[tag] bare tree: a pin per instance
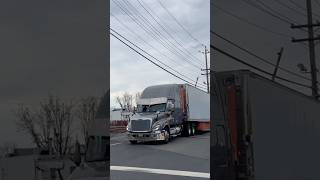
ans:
(125, 101)
(27, 123)
(137, 96)
(50, 126)
(86, 112)
(6, 148)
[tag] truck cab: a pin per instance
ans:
(151, 120)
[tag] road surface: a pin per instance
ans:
(182, 158)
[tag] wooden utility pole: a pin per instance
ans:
(311, 40)
(277, 65)
(206, 69)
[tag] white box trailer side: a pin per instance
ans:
(285, 131)
(268, 131)
(198, 103)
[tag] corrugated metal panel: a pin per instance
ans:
(285, 128)
(198, 104)
(286, 132)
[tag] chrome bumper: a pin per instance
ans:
(146, 136)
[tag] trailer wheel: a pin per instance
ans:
(133, 141)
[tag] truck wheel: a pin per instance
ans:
(189, 130)
(133, 141)
(167, 135)
(193, 129)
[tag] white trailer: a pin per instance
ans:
(263, 130)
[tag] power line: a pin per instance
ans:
(270, 13)
(153, 34)
(176, 20)
(156, 49)
(150, 55)
(254, 67)
(251, 23)
(301, 7)
(266, 11)
(298, 5)
(164, 28)
(290, 8)
(148, 58)
(155, 29)
(274, 11)
(165, 24)
(258, 57)
(146, 20)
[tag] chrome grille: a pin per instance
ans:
(140, 125)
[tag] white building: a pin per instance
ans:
(119, 115)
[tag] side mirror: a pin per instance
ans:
(170, 106)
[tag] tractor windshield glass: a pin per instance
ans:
(152, 108)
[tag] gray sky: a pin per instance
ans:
(260, 42)
(131, 73)
(56, 47)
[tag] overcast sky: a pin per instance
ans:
(56, 47)
(130, 72)
(264, 44)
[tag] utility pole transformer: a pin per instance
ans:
(311, 40)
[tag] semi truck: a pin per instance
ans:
(169, 110)
(262, 130)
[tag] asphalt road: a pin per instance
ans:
(182, 158)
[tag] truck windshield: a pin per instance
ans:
(152, 108)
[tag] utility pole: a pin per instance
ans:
(277, 66)
(311, 40)
(206, 69)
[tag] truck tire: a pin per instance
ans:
(189, 129)
(167, 139)
(186, 130)
(193, 129)
(133, 141)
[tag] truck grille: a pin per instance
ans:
(140, 125)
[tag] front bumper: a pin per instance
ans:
(146, 136)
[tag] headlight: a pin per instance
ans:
(128, 127)
(156, 127)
